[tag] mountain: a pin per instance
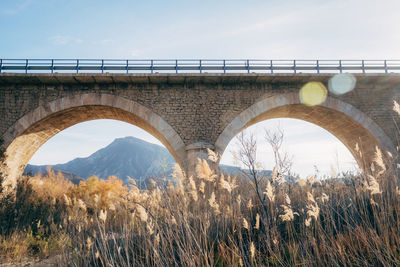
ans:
(124, 157)
(31, 170)
(233, 170)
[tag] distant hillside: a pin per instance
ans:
(237, 170)
(124, 157)
(31, 170)
(128, 156)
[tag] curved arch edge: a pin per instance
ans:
(160, 128)
(248, 117)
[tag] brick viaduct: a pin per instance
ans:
(189, 112)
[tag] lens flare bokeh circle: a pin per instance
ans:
(313, 93)
(342, 83)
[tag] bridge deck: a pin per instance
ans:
(188, 78)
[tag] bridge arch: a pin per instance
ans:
(31, 131)
(347, 123)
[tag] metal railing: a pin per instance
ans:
(196, 66)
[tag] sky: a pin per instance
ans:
(278, 29)
(271, 29)
(307, 145)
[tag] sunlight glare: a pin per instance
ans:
(342, 83)
(313, 93)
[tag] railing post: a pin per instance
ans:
(52, 66)
(151, 66)
(386, 68)
(176, 66)
(102, 66)
(127, 66)
(248, 66)
(363, 66)
(201, 70)
(26, 66)
(294, 66)
(318, 66)
(1, 64)
(272, 67)
(224, 66)
(77, 66)
(340, 66)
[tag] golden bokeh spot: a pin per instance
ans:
(313, 93)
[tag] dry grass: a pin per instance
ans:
(209, 219)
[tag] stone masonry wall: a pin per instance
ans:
(198, 107)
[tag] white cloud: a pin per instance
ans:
(19, 5)
(104, 42)
(64, 40)
(136, 53)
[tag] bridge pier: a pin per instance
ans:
(195, 152)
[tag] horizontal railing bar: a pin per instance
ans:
(154, 60)
(189, 68)
(199, 65)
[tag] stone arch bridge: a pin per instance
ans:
(189, 112)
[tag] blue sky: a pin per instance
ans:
(200, 29)
(350, 29)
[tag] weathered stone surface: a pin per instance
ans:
(186, 109)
